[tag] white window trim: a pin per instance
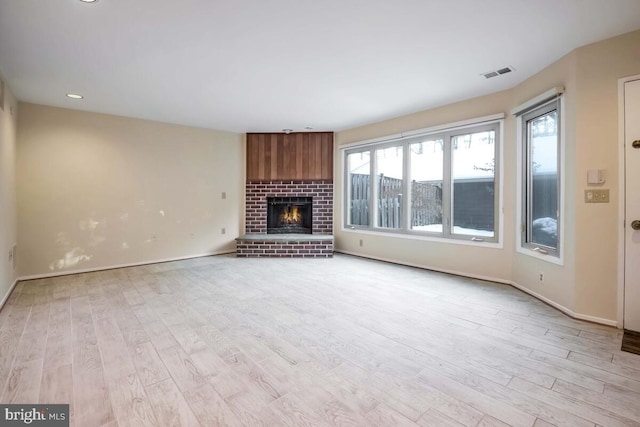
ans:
(461, 124)
(554, 259)
(539, 100)
(454, 126)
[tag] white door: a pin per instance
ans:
(632, 208)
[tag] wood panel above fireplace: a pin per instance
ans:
(294, 168)
(295, 156)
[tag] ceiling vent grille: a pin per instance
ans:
(490, 74)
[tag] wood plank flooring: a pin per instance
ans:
(316, 342)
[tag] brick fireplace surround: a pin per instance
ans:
(257, 243)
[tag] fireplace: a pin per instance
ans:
(310, 236)
(289, 215)
(288, 196)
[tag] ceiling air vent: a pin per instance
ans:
(495, 73)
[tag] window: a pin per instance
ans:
(359, 171)
(541, 178)
(389, 185)
(441, 184)
(473, 186)
(426, 176)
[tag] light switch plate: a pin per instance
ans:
(596, 196)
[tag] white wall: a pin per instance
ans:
(598, 68)
(8, 204)
(586, 285)
(97, 191)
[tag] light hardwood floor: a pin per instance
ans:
(342, 341)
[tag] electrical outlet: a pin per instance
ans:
(223, 231)
(361, 242)
(224, 195)
(541, 277)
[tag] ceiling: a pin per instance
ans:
(265, 65)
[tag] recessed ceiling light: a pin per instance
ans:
(287, 131)
(74, 95)
(88, 1)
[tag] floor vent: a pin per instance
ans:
(631, 342)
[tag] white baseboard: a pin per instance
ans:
(112, 267)
(553, 304)
(8, 294)
(565, 310)
(427, 267)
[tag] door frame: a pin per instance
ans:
(622, 190)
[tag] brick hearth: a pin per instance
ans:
(285, 246)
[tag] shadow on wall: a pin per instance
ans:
(92, 233)
(73, 254)
(133, 226)
(70, 259)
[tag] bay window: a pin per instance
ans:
(441, 184)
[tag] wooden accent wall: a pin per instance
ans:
(294, 156)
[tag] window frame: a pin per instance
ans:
(495, 123)
(554, 101)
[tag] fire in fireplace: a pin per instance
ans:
(289, 215)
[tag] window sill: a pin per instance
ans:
(553, 259)
(412, 236)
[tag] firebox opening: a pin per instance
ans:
(289, 215)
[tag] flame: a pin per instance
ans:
(290, 215)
